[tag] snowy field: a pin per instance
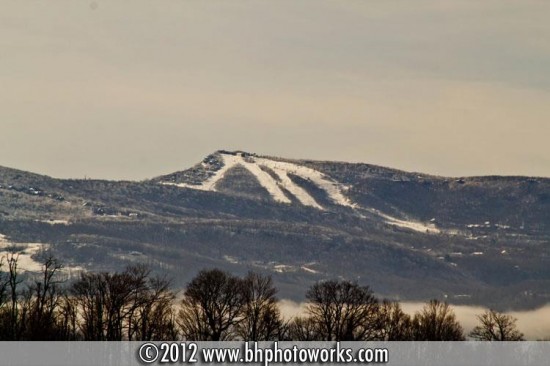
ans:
(28, 256)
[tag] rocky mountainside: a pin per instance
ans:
(410, 236)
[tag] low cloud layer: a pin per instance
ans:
(534, 324)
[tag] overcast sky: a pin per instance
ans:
(135, 89)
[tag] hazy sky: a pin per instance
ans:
(134, 89)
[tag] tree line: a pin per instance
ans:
(134, 304)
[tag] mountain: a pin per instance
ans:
(410, 236)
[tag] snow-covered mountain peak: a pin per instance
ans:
(273, 175)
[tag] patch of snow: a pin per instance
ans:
(230, 259)
(281, 268)
(24, 253)
(486, 224)
(333, 189)
(412, 225)
(55, 222)
(229, 161)
(266, 181)
(309, 269)
(296, 190)
(454, 232)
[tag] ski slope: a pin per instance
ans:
(274, 186)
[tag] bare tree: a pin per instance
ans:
(154, 319)
(45, 295)
(395, 324)
(108, 302)
(344, 311)
(4, 310)
(68, 318)
(437, 322)
(124, 295)
(261, 319)
(3, 284)
(90, 293)
(495, 326)
(13, 324)
(212, 306)
(303, 329)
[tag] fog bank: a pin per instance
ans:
(534, 324)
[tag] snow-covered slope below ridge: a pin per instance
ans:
(275, 184)
(275, 176)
